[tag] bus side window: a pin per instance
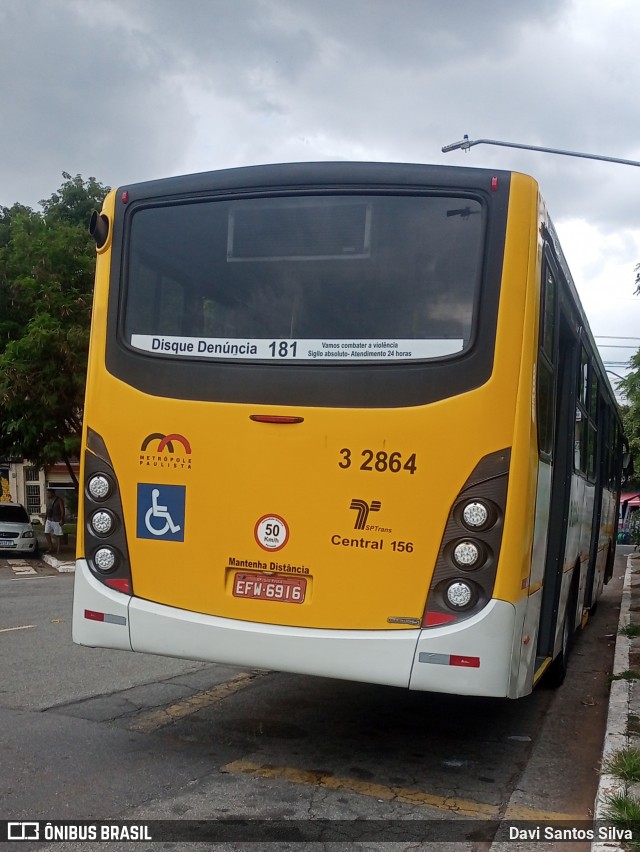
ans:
(546, 362)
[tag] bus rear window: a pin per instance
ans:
(337, 279)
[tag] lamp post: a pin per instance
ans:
(466, 143)
(620, 397)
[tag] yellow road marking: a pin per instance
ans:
(463, 807)
(157, 718)
(365, 788)
(9, 629)
(515, 812)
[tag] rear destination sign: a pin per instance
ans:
(264, 349)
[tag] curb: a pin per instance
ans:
(616, 734)
(58, 564)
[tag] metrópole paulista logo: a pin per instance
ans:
(171, 451)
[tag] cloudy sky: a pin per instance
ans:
(128, 90)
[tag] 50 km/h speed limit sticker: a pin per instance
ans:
(271, 532)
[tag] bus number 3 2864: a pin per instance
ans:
(380, 461)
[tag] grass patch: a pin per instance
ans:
(625, 764)
(629, 674)
(630, 630)
(624, 812)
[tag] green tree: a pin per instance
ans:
(630, 386)
(47, 264)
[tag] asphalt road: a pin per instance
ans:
(97, 734)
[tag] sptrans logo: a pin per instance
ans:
(171, 452)
(363, 508)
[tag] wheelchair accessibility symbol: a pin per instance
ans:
(161, 511)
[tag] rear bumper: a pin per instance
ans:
(412, 659)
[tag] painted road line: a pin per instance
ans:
(10, 629)
(33, 576)
(461, 807)
(157, 718)
(522, 812)
(21, 567)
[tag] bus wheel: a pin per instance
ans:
(557, 671)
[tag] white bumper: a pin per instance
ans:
(414, 659)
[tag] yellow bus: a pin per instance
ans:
(347, 420)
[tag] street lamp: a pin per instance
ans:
(467, 143)
(619, 394)
(611, 373)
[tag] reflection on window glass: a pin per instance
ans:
(591, 453)
(579, 445)
(584, 379)
(593, 400)
(401, 272)
(548, 316)
(545, 408)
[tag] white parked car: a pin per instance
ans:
(16, 532)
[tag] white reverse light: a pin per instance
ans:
(459, 595)
(475, 515)
(102, 522)
(99, 487)
(105, 559)
(466, 554)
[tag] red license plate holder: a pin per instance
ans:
(264, 587)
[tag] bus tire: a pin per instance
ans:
(557, 671)
(608, 571)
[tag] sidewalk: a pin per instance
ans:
(623, 720)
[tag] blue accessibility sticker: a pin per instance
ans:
(161, 511)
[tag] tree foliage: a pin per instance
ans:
(47, 264)
(630, 386)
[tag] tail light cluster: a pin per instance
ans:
(104, 532)
(464, 576)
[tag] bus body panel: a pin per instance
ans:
(473, 657)
(523, 681)
(100, 614)
(355, 578)
(516, 342)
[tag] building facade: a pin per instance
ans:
(21, 482)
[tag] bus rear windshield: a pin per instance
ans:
(337, 279)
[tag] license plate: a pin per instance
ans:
(264, 588)
(7, 542)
